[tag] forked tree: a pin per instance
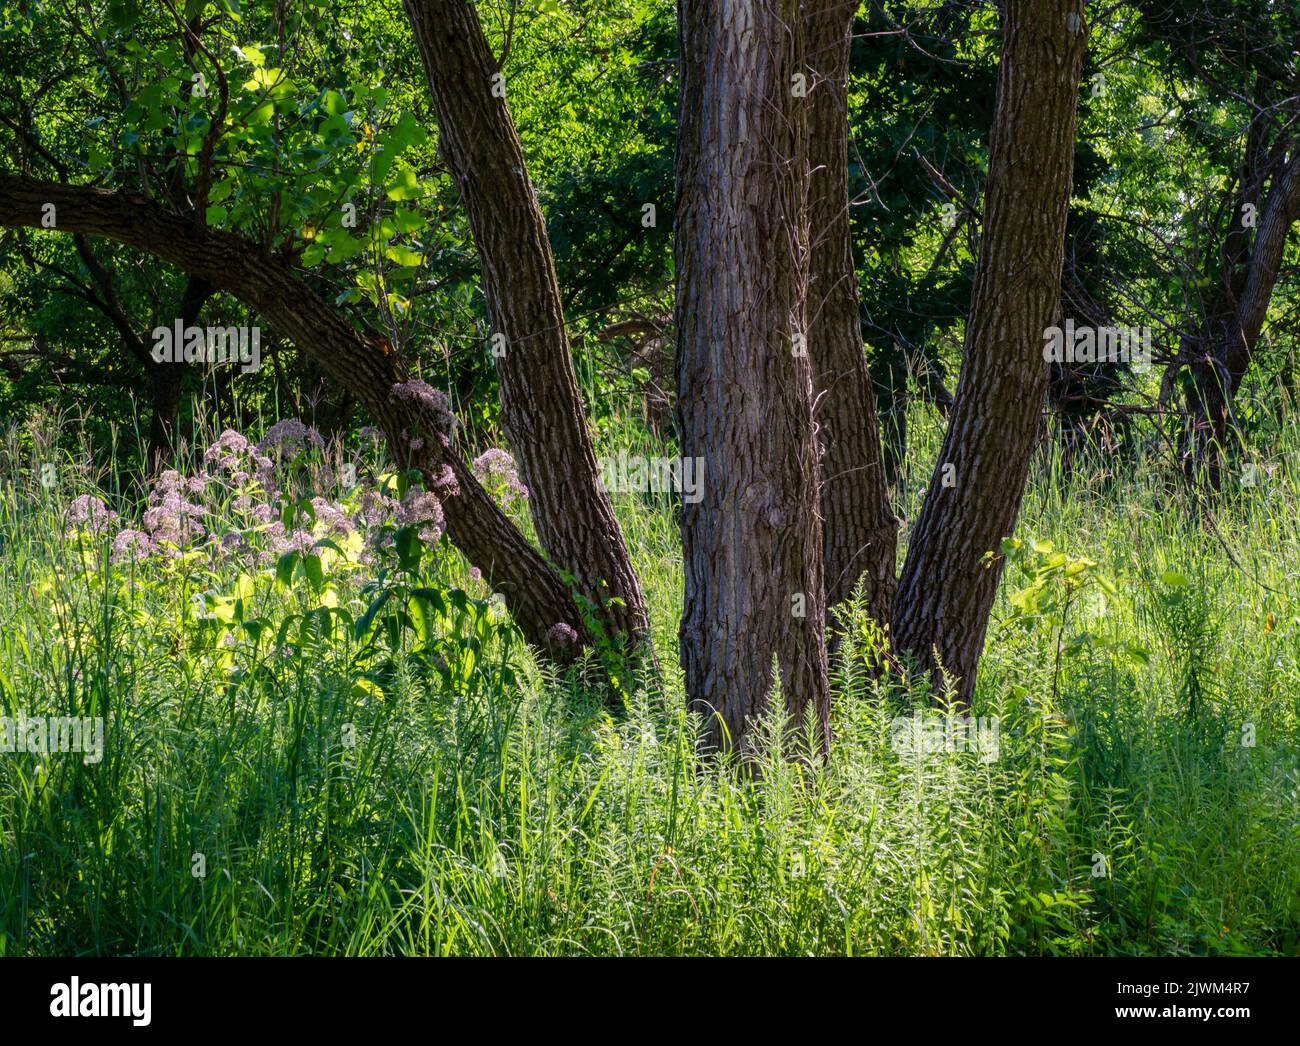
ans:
(745, 399)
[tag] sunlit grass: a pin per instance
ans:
(509, 814)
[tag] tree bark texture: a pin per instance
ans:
(860, 532)
(752, 546)
(947, 589)
(541, 407)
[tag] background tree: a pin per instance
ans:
(860, 533)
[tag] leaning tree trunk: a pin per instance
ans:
(752, 545)
(860, 533)
(359, 360)
(947, 589)
(1226, 347)
(541, 407)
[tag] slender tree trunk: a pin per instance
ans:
(164, 410)
(359, 360)
(1226, 345)
(1209, 397)
(541, 406)
(167, 380)
(946, 591)
(752, 545)
(860, 533)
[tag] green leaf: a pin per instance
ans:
(404, 256)
(315, 572)
(284, 569)
(367, 619)
(409, 547)
(262, 114)
(404, 185)
(406, 133)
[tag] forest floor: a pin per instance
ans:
(335, 749)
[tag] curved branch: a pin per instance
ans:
(358, 359)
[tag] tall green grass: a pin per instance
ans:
(1145, 797)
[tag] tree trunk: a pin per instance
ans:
(946, 591)
(166, 380)
(860, 533)
(752, 546)
(359, 360)
(1209, 397)
(541, 407)
(1226, 344)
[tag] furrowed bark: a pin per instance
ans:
(358, 359)
(946, 591)
(541, 407)
(752, 545)
(860, 532)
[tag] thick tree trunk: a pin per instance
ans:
(541, 406)
(752, 545)
(358, 359)
(946, 591)
(860, 533)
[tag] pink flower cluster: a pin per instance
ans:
(239, 474)
(422, 508)
(417, 391)
(495, 469)
(290, 436)
(90, 512)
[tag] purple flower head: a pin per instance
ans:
(561, 636)
(331, 517)
(170, 517)
(172, 482)
(444, 482)
(132, 545)
(290, 435)
(283, 541)
(89, 511)
(439, 406)
(227, 451)
(423, 509)
(376, 509)
(495, 469)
